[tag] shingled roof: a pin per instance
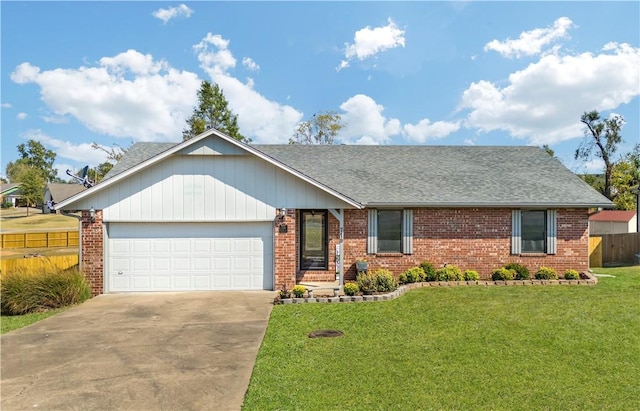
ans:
(425, 176)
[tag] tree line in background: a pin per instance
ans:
(621, 177)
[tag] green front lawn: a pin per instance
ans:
(498, 348)
(13, 322)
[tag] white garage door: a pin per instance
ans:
(192, 256)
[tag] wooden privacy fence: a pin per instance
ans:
(40, 239)
(613, 249)
(61, 262)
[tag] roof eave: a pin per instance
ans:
(487, 205)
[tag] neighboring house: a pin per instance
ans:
(212, 213)
(56, 192)
(11, 194)
(613, 222)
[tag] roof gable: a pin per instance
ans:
(143, 155)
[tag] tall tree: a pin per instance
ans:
(97, 173)
(212, 111)
(32, 187)
(549, 150)
(34, 154)
(604, 135)
(323, 128)
(625, 179)
(114, 153)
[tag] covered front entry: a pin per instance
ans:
(189, 256)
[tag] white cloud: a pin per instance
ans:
(250, 64)
(172, 12)
(55, 119)
(532, 42)
(594, 166)
(426, 130)
(469, 142)
(543, 102)
(364, 122)
(128, 95)
(263, 120)
(21, 116)
(368, 42)
(82, 153)
(6, 105)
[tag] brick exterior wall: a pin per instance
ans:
(93, 252)
(475, 239)
(285, 250)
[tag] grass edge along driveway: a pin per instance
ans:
(528, 347)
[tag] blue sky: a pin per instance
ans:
(438, 73)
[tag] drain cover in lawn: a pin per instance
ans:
(325, 334)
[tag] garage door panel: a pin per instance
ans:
(162, 282)
(162, 264)
(162, 246)
(181, 246)
(140, 247)
(212, 256)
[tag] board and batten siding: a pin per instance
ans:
(207, 188)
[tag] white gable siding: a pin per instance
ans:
(213, 146)
(207, 188)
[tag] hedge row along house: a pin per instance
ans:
(212, 213)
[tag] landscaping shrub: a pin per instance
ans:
(402, 278)
(571, 275)
(384, 281)
(546, 273)
(503, 274)
(26, 291)
(284, 293)
(429, 271)
(299, 290)
(414, 275)
(449, 273)
(471, 275)
(522, 272)
(351, 289)
(366, 281)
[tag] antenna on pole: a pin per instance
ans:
(82, 178)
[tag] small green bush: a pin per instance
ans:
(471, 275)
(402, 278)
(449, 273)
(546, 273)
(351, 289)
(414, 275)
(571, 275)
(429, 271)
(298, 291)
(503, 274)
(384, 281)
(41, 290)
(366, 281)
(522, 272)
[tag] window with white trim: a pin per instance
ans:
(533, 231)
(390, 231)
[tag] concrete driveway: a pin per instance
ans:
(160, 351)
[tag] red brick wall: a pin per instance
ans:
(93, 252)
(285, 251)
(474, 239)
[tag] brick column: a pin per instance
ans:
(93, 251)
(285, 250)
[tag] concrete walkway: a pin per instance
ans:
(160, 351)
